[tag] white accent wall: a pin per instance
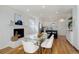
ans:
(6, 31)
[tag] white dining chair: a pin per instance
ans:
(48, 42)
(29, 47)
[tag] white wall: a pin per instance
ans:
(6, 31)
(77, 41)
(62, 27)
(73, 36)
(75, 30)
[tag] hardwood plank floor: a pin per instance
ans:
(60, 46)
(2, 51)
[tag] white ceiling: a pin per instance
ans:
(50, 11)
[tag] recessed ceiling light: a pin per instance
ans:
(61, 20)
(57, 12)
(27, 10)
(43, 6)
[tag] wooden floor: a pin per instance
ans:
(60, 46)
(2, 51)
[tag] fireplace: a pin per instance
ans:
(19, 32)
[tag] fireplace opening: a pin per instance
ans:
(19, 32)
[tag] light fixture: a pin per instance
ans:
(61, 20)
(43, 6)
(57, 12)
(27, 10)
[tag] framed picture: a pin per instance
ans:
(18, 19)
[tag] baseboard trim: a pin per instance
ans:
(73, 46)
